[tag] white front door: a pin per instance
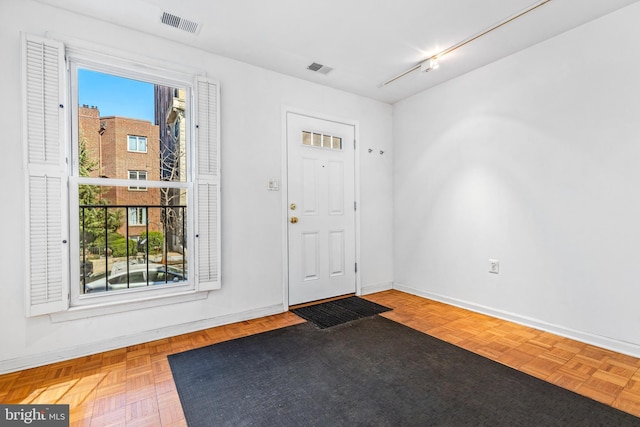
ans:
(321, 208)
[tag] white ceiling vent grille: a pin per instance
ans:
(180, 23)
(319, 68)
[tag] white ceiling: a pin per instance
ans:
(366, 42)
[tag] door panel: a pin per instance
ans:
(310, 194)
(336, 253)
(321, 195)
(310, 256)
(336, 188)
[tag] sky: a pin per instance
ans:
(116, 96)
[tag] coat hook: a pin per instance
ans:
(370, 150)
(381, 152)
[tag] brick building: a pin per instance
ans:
(124, 148)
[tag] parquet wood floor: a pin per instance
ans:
(133, 386)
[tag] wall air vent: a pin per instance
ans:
(319, 68)
(180, 23)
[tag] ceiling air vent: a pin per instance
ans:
(319, 68)
(180, 23)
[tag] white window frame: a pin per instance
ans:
(137, 177)
(137, 148)
(53, 282)
(140, 216)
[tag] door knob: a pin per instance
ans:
(293, 220)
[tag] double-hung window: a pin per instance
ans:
(137, 175)
(91, 239)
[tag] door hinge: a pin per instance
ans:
(356, 267)
(355, 206)
(354, 144)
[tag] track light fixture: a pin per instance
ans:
(431, 63)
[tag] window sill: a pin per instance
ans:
(86, 311)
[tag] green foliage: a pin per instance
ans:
(117, 244)
(99, 241)
(93, 220)
(119, 248)
(88, 194)
(156, 241)
(86, 165)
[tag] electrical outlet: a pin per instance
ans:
(494, 266)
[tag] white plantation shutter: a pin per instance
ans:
(47, 260)
(207, 186)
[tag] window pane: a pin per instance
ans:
(171, 110)
(306, 138)
(152, 116)
(326, 141)
(128, 231)
(148, 234)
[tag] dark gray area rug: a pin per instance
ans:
(368, 372)
(332, 313)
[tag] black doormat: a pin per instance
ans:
(369, 372)
(332, 313)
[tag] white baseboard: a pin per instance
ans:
(618, 346)
(26, 362)
(376, 287)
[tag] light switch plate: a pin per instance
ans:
(274, 184)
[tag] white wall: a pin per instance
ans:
(252, 102)
(533, 160)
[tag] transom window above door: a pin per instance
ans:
(320, 140)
